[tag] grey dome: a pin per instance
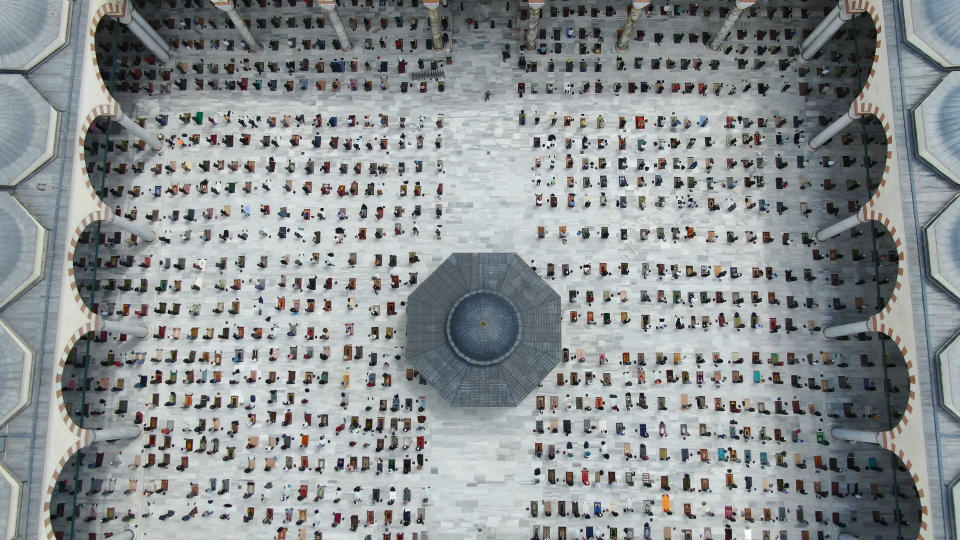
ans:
(472, 365)
(16, 361)
(22, 243)
(483, 327)
(933, 26)
(949, 359)
(30, 31)
(938, 132)
(943, 247)
(30, 124)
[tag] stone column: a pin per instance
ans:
(856, 435)
(835, 127)
(123, 327)
(115, 433)
(848, 329)
(728, 24)
(845, 224)
(144, 232)
(628, 27)
(230, 7)
(847, 536)
(331, 8)
(825, 30)
(138, 130)
(530, 37)
(144, 32)
(436, 26)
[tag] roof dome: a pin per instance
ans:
(943, 249)
(933, 26)
(938, 134)
(483, 327)
(29, 31)
(30, 123)
(22, 243)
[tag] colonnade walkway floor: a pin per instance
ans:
(696, 391)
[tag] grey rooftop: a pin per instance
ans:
(933, 26)
(30, 124)
(938, 133)
(30, 31)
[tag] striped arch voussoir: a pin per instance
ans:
(48, 496)
(857, 6)
(113, 9)
(83, 438)
(88, 327)
(889, 444)
(111, 109)
(92, 321)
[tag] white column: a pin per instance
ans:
(144, 32)
(845, 224)
(818, 30)
(158, 42)
(847, 536)
(628, 27)
(116, 433)
(848, 329)
(825, 30)
(138, 130)
(835, 127)
(230, 7)
(145, 37)
(728, 24)
(436, 26)
(530, 38)
(123, 327)
(144, 232)
(331, 7)
(856, 435)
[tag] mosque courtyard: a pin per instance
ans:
(666, 193)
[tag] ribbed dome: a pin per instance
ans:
(943, 247)
(949, 359)
(483, 327)
(29, 126)
(30, 30)
(22, 246)
(16, 360)
(934, 27)
(938, 131)
(948, 122)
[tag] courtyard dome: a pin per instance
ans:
(31, 124)
(31, 31)
(483, 329)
